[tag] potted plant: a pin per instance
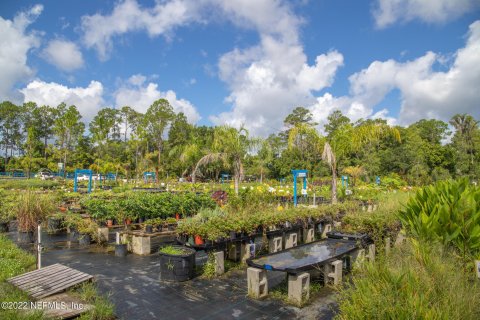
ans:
(121, 249)
(177, 263)
(87, 230)
(32, 210)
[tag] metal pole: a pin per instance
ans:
(314, 199)
(39, 246)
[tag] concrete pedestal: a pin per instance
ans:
(371, 252)
(299, 288)
(219, 259)
(274, 244)
(291, 240)
(245, 251)
(333, 272)
(477, 267)
(327, 228)
(102, 234)
(257, 283)
(233, 251)
(143, 244)
(308, 235)
(358, 257)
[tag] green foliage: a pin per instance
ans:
(28, 184)
(448, 211)
(33, 208)
(379, 223)
(416, 281)
(102, 309)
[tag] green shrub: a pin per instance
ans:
(448, 211)
(416, 281)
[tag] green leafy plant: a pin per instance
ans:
(449, 212)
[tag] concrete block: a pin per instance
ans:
(219, 259)
(233, 251)
(326, 228)
(371, 252)
(337, 224)
(388, 245)
(370, 208)
(358, 257)
(308, 235)
(257, 283)
(299, 288)
(245, 251)
(291, 240)
(102, 235)
(333, 272)
(274, 244)
(141, 245)
(477, 267)
(400, 239)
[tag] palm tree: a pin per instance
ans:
(355, 172)
(466, 125)
(229, 146)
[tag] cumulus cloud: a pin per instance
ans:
(128, 16)
(425, 93)
(16, 43)
(63, 54)
(266, 81)
(139, 95)
(387, 12)
(88, 100)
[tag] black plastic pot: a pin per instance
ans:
(177, 267)
(121, 250)
(26, 237)
(84, 239)
(148, 229)
(4, 226)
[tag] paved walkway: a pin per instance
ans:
(137, 293)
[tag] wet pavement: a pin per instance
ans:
(133, 285)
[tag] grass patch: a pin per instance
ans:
(102, 309)
(28, 184)
(175, 250)
(416, 281)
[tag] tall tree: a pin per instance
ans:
(156, 119)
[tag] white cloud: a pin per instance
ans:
(138, 95)
(16, 42)
(266, 80)
(88, 100)
(387, 12)
(128, 16)
(425, 93)
(65, 55)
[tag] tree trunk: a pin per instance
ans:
(334, 184)
(157, 169)
(45, 148)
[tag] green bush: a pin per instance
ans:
(416, 281)
(449, 212)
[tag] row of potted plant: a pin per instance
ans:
(218, 225)
(135, 205)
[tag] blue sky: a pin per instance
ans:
(246, 62)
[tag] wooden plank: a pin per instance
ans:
(49, 280)
(37, 273)
(50, 289)
(51, 277)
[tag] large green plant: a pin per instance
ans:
(33, 208)
(448, 211)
